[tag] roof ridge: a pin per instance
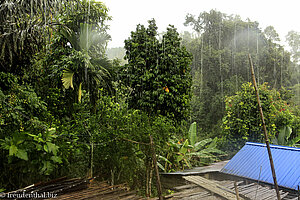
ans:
(273, 146)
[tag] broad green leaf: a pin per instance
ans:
(184, 147)
(281, 136)
(202, 143)
(284, 135)
(193, 133)
(201, 154)
(46, 148)
(186, 143)
(288, 132)
(52, 148)
(67, 79)
(213, 150)
(179, 158)
(22, 154)
(213, 144)
(56, 159)
(13, 150)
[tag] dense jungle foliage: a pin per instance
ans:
(68, 110)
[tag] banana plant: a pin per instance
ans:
(188, 152)
(176, 158)
(284, 137)
(197, 147)
(204, 149)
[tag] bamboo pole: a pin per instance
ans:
(92, 159)
(159, 190)
(264, 128)
(236, 191)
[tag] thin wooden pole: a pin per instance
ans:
(92, 159)
(236, 191)
(265, 129)
(159, 190)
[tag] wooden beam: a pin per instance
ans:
(212, 186)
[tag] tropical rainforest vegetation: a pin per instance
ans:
(68, 110)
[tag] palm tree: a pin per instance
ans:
(88, 71)
(24, 27)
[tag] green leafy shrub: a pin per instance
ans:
(113, 130)
(28, 142)
(187, 153)
(242, 121)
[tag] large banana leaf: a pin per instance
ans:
(284, 135)
(184, 147)
(201, 144)
(193, 133)
(206, 153)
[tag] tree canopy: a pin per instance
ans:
(220, 65)
(158, 72)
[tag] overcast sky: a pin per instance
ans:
(126, 14)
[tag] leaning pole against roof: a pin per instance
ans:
(265, 129)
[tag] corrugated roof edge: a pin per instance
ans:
(274, 146)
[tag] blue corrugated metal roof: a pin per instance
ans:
(252, 161)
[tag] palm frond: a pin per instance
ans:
(70, 36)
(79, 92)
(67, 79)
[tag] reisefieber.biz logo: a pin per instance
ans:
(24, 195)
